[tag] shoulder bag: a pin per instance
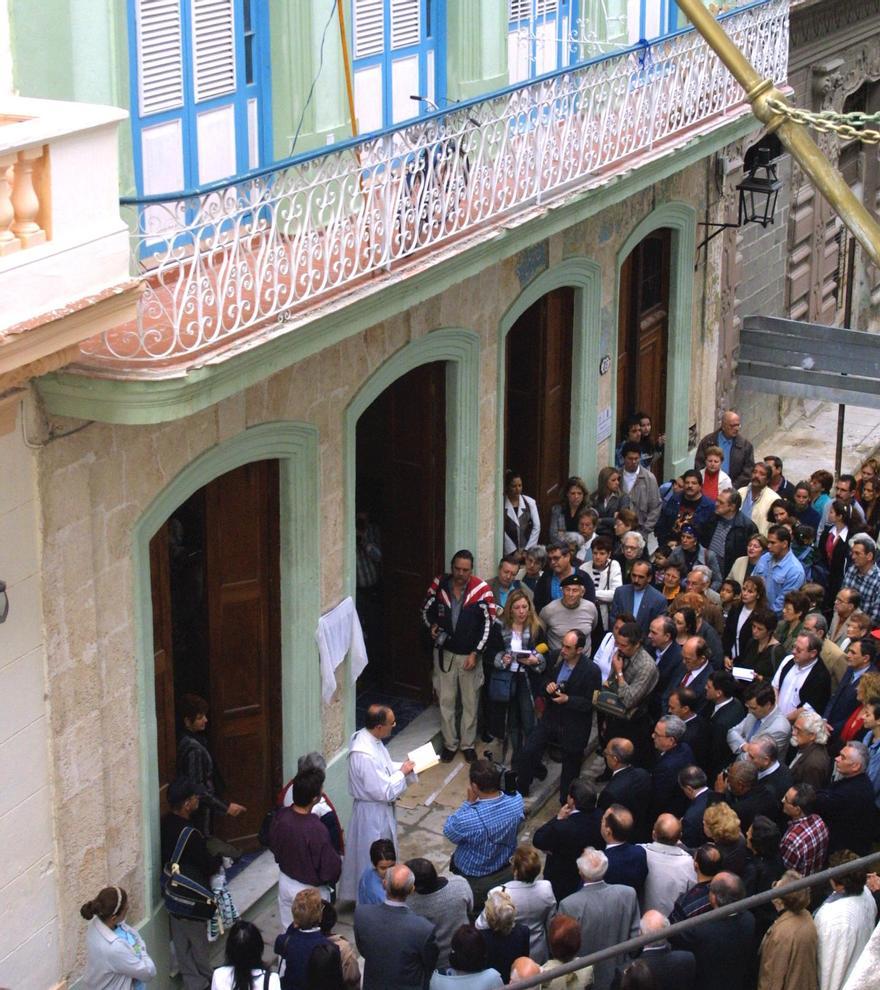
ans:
(183, 896)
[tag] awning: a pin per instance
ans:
(810, 361)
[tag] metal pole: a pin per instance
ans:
(847, 322)
(756, 900)
(794, 136)
(349, 87)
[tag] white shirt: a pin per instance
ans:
(789, 695)
(692, 674)
(720, 704)
(627, 480)
(223, 979)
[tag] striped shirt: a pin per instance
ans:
(484, 833)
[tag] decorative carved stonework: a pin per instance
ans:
(826, 20)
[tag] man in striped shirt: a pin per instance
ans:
(484, 832)
(804, 845)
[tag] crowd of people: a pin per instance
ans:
(717, 636)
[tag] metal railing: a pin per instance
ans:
(235, 255)
(869, 863)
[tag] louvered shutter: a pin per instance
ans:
(546, 7)
(369, 27)
(519, 10)
(405, 23)
(159, 55)
(213, 33)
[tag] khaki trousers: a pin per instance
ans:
(450, 680)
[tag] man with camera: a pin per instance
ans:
(484, 831)
(568, 688)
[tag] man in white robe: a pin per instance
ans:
(375, 782)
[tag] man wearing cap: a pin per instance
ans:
(569, 612)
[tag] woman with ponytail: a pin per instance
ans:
(244, 969)
(116, 957)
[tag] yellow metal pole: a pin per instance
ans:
(349, 87)
(793, 136)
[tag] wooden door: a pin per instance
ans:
(537, 406)
(643, 332)
(401, 476)
(242, 579)
(163, 663)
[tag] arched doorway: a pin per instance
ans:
(400, 496)
(643, 333)
(214, 573)
(538, 396)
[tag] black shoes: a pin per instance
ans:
(470, 755)
(541, 772)
(446, 755)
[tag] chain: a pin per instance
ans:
(847, 126)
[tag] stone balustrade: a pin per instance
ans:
(21, 224)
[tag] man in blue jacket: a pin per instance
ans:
(690, 507)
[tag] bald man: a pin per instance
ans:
(523, 968)
(627, 863)
(671, 870)
(738, 455)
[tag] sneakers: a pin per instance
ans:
(447, 755)
(470, 755)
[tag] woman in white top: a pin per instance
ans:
(522, 524)
(605, 573)
(533, 899)
(244, 969)
(116, 957)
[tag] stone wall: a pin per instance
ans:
(95, 484)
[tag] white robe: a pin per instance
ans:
(375, 782)
(844, 926)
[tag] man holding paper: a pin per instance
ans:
(375, 782)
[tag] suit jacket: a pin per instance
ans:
(627, 865)
(835, 562)
(813, 767)
(692, 834)
(722, 949)
(775, 725)
(698, 735)
(666, 795)
(720, 723)
(404, 962)
(778, 782)
(816, 689)
(653, 604)
(608, 914)
(630, 787)
(673, 969)
(847, 808)
(666, 668)
(729, 636)
(698, 684)
(543, 595)
(563, 841)
(842, 703)
(574, 719)
(760, 800)
(742, 458)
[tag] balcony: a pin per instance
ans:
(64, 248)
(235, 264)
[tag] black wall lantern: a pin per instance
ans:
(758, 193)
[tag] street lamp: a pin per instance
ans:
(758, 193)
(4, 602)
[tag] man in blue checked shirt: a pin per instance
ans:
(484, 832)
(781, 570)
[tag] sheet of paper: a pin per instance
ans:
(743, 673)
(424, 757)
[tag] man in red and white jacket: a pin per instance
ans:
(458, 610)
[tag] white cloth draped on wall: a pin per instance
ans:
(339, 632)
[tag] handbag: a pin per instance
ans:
(610, 703)
(183, 896)
(502, 685)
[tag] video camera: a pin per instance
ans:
(508, 776)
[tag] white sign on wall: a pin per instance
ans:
(603, 431)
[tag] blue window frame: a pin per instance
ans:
(200, 91)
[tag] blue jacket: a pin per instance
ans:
(665, 528)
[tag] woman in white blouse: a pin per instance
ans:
(244, 969)
(116, 957)
(522, 524)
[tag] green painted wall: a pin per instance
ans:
(476, 47)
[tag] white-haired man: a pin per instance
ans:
(607, 913)
(810, 762)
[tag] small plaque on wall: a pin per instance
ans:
(603, 425)
(692, 436)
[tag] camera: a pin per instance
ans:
(508, 776)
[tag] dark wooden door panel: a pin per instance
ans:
(163, 663)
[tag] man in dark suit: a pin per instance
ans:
(566, 836)
(738, 786)
(406, 961)
(694, 785)
(861, 655)
(775, 776)
(673, 755)
(673, 969)
(639, 598)
(666, 652)
(629, 786)
(627, 863)
(847, 805)
(683, 702)
(739, 455)
(693, 671)
(560, 565)
(568, 688)
(724, 711)
(802, 679)
(722, 947)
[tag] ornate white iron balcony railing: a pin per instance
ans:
(234, 256)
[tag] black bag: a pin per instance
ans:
(265, 828)
(182, 896)
(609, 703)
(502, 685)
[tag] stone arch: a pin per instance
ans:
(295, 446)
(681, 219)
